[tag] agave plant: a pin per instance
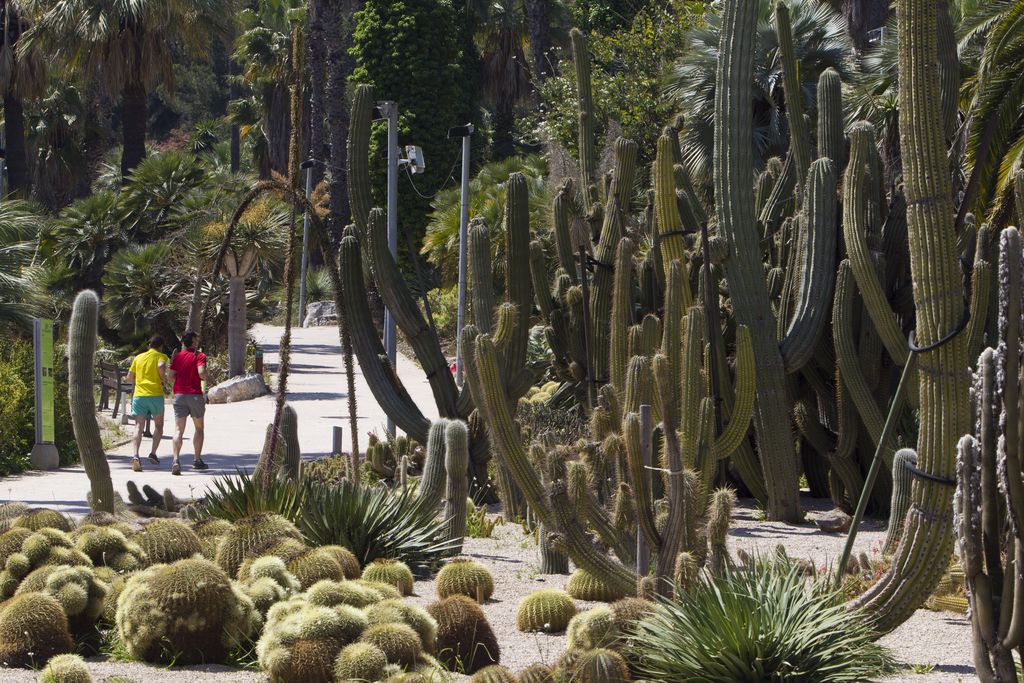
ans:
(764, 623)
(371, 521)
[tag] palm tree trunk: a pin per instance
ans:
(315, 62)
(337, 18)
(14, 132)
(195, 309)
(540, 38)
(864, 16)
(236, 326)
(133, 127)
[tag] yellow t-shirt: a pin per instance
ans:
(147, 375)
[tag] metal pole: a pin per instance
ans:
(463, 236)
(308, 165)
(390, 111)
(876, 463)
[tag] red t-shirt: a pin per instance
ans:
(186, 368)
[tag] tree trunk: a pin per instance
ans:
(236, 326)
(14, 132)
(864, 16)
(337, 21)
(278, 126)
(315, 62)
(195, 309)
(540, 38)
(133, 127)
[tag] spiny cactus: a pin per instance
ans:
(344, 557)
(456, 462)
(902, 481)
(432, 481)
(601, 666)
(44, 518)
(585, 586)
(315, 564)
(592, 629)
(81, 361)
(394, 611)
(464, 576)
(391, 572)
(548, 610)
(65, 669)
(536, 673)
(109, 547)
(303, 645)
(168, 540)
(289, 467)
(33, 628)
(331, 593)
(399, 642)
(360, 662)
(831, 142)
(493, 674)
(184, 612)
(585, 105)
(9, 512)
(464, 637)
(248, 534)
(44, 548)
(80, 594)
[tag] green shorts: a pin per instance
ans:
(148, 406)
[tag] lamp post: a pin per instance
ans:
(465, 132)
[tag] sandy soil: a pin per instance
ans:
(937, 642)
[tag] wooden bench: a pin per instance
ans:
(112, 380)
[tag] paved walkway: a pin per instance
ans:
(235, 431)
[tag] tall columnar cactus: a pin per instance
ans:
(669, 222)
(358, 157)
(734, 208)
(81, 353)
(290, 463)
(902, 482)
(831, 143)
(799, 143)
(433, 481)
(587, 121)
(927, 542)
(456, 460)
(817, 246)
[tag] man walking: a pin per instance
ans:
(188, 373)
(149, 372)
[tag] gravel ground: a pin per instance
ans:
(940, 641)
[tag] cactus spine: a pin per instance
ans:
(81, 352)
(928, 541)
(456, 463)
(734, 206)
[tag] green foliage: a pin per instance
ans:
(606, 15)
(487, 200)
(627, 66)
(17, 407)
(821, 41)
(141, 290)
(765, 623)
(371, 522)
(411, 52)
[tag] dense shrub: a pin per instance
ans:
(17, 407)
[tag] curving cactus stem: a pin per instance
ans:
(734, 208)
(927, 544)
(81, 352)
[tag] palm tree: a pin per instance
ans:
(22, 76)
(141, 292)
(126, 46)
(992, 48)
(538, 23)
(84, 237)
(259, 237)
(502, 36)
(821, 42)
(19, 225)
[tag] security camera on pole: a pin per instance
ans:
(417, 164)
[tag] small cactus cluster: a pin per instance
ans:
(43, 548)
(464, 636)
(168, 540)
(583, 585)
(251, 535)
(108, 546)
(65, 669)
(33, 628)
(183, 612)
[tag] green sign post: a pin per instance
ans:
(44, 453)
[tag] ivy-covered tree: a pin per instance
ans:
(411, 52)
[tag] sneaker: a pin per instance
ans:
(200, 465)
(175, 468)
(153, 459)
(136, 464)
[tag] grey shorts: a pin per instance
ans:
(189, 405)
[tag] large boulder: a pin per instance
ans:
(241, 388)
(320, 314)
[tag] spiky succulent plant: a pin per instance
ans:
(548, 610)
(392, 572)
(464, 637)
(168, 540)
(188, 611)
(33, 628)
(65, 669)
(463, 576)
